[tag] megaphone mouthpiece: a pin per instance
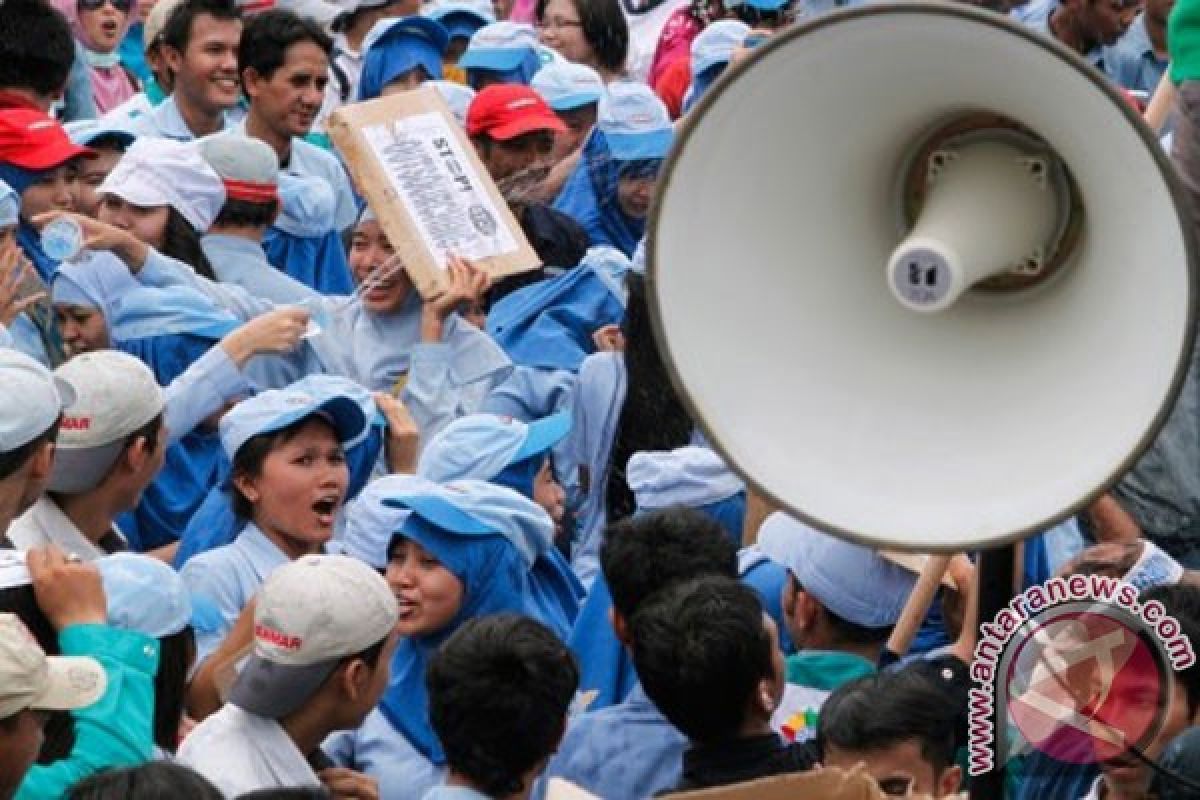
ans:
(990, 207)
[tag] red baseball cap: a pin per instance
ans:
(32, 140)
(507, 110)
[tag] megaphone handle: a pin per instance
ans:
(917, 605)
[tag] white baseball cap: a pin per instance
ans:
(311, 614)
(160, 172)
(115, 395)
(31, 679)
(32, 398)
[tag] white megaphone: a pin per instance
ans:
(922, 276)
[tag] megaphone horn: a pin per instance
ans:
(922, 276)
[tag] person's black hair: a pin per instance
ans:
(845, 632)
(758, 18)
(701, 652)
(499, 690)
(268, 35)
(1183, 603)
(887, 709)
(13, 460)
(249, 458)
(644, 554)
(182, 242)
(176, 654)
(288, 793)
(154, 780)
(652, 417)
(177, 30)
(36, 47)
(604, 28)
(247, 214)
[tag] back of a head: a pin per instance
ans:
(702, 653)
(652, 551)
(36, 48)
(499, 689)
(888, 709)
(156, 780)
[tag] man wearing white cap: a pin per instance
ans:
(324, 634)
(841, 602)
(110, 446)
(32, 401)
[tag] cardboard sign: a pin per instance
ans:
(432, 195)
(828, 783)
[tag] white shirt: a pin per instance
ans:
(242, 752)
(44, 524)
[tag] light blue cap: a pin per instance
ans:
(457, 96)
(307, 206)
(463, 18)
(148, 597)
(852, 581)
(276, 409)
(370, 524)
(761, 5)
(481, 446)
(716, 43)
(634, 122)
(32, 398)
(473, 507)
(10, 206)
(566, 86)
(85, 131)
(500, 46)
(143, 312)
(323, 384)
(687, 476)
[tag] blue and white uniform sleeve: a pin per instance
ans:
(201, 390)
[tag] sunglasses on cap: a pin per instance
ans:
(95, 5)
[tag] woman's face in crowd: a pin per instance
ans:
(370, 250)
(92, 172)
(429, 594)
(548, 494)
(302, 484)
(103, 27)
(149, 225)
(635, 194)
(58, 190)
(561, 29)
(84, 329)
(579, 122)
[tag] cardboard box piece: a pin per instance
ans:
(420, 175)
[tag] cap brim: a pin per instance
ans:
(542, 435)
(78, 469)
(53, 156)
(640, 146)
(570, 102)
(276, 690)
(524, 125)
(498, 60)
(342, 413)
(438, 512)
(125, 137)
(74, 682)
(137, 194)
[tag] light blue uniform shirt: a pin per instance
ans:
(200, 390)
(243, 263)
(531, 393)
(307, 160)
(228, 577)
(454, 793)
(166, 122)
(595, 411)
(379, 750)
(1131, 62)
(441, 380)
(627, 751)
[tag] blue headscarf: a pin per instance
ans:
(590, 195)
(549, 324)
(97, 281)
(493, 575)
(304, 243)
(28, 239)
(396, 46)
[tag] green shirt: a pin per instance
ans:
(118, 730)
(1183, 41)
